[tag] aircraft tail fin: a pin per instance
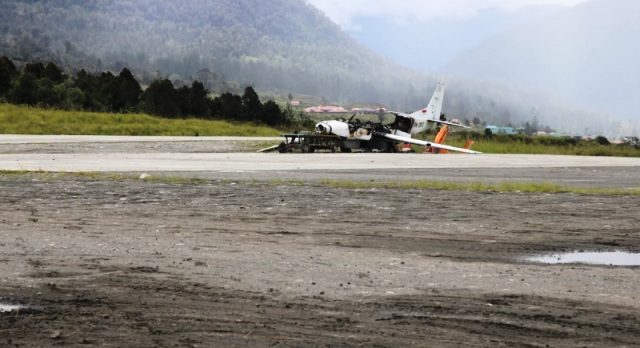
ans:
(432, 111)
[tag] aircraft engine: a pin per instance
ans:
(338, 128)
(323, 128)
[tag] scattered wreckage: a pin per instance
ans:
(353, 134)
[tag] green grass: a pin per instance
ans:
(479, 187)
(50, 176)
(582, 148)
(513, 187)
(538, 145)
(26, 120)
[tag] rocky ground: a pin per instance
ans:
(92, 261)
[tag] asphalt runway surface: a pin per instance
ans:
(218, 158)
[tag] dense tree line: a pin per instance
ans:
(278, 45)
(47, 85)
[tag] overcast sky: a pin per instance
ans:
(342, 11)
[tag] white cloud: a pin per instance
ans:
(342, 11)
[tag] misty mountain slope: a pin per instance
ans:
(278, 44)
(228, 28)
(284, 46)
(587, 54)
(428, 44)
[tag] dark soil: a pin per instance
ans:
(133, 263)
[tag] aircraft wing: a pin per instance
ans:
(270, 148)
(399, 113)
(427, 143)
(430, 120)
(449, 123)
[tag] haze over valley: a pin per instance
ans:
(571, 68)
(576, 55)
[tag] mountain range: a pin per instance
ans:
(575, 66)
(588, 55)
(529, 66)
(430, 44)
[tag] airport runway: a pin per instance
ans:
(568, 170)
(53, 139)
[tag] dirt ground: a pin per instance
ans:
(249, 263)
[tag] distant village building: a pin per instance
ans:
(501, 130)
(340, 110)
(368, 110)
(327, 109)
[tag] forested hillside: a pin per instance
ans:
(280, 46)
(284, 45)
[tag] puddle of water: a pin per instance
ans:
(9, 307)
(614, 258)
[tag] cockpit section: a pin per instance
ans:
(403, 124)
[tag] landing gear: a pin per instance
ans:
(306, 148)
